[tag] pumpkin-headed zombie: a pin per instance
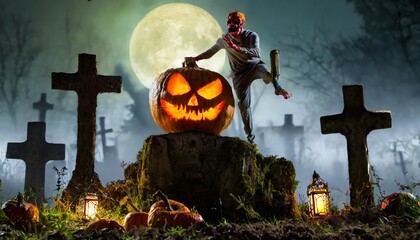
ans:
(242, 47)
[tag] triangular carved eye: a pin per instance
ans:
(211, 90)
(177, 85)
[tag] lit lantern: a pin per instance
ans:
(89, 206)
(319, 197)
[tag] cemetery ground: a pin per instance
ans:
(59, 222)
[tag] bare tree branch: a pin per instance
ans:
(17, 55)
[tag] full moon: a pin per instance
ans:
(168, 34)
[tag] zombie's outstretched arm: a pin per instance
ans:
(210, 52)
(232, 44)
(253, 51)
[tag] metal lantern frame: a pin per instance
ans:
(88, 206)
(318, 197)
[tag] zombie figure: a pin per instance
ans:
(243, 50)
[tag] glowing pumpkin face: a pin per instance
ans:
(191, 99)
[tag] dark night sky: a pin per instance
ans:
(104, 28)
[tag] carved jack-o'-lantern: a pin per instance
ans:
(191, 98)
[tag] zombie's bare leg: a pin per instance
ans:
(246, 119)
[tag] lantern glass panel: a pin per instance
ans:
(321, 204)
(89, 206)
(319, 199)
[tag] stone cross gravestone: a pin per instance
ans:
(355, 123)
(400, 161)
(36, 152)
(288, 133)
(103, 131)
(42, 106)
(111, 161)
(87, 84)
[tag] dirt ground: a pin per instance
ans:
(368, 227)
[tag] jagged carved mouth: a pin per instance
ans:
(184, 112)
(233, 29)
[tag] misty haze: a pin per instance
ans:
(323, 46)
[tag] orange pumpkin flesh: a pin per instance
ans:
(103, 224)
(21, 213)
(180, 216)
(178, 85)
(187, 219)
(389, 200)
(191, 99)
(181, 113)
(135, 220)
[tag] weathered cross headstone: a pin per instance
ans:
(87, 84)
(42, 106)
(111, 161)
(103, 131)
(36, 152)
(400, 161)
(288, 133)
(355, 123)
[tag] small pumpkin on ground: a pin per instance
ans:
(21, 213)
(103, 224)
(389, 201)
(402, 203)
(171, 213)
(135, 220)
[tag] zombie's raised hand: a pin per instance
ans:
(189, 62)
(231, 44)
(284, 93)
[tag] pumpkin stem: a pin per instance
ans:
(189, 62)
(20, 199)
(164, 199)
(131, 204)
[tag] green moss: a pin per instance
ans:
(407, 206)
(130, 172)
(268, 185)
(3, 217)
(271, 187)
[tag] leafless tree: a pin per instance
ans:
(393, 27)
(312, 68)
(385, 55)
(18, 51)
